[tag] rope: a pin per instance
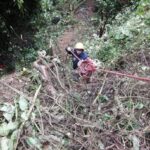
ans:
(127, 75)
(87, 67)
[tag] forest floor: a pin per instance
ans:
(109, 114)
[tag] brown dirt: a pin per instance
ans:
(15, 81)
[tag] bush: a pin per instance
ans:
(27, 26)
(127, 32)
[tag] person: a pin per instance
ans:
(79, 52)
(78, 56)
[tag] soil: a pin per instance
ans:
(15, 81)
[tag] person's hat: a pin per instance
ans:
(79, 45)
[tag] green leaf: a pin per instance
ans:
(13, 139)
(77, 96)
(23, 103)
(4, 108)
(139, 105)
(6, 128)
(65, 141)
(8, 111)
(103, 98)
(144, 68)
(129, 104)
(34, 142)
(33, 115)
(20, 4)
(12, 125)
(107, 117)
(24, 116)
(4, 131)
(136, 142)
(4, 143)
(8, 116)
(101, 145)
(14, 135)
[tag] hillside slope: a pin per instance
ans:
(109, 113)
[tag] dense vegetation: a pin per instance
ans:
(128, 32)
(28, 26)
(108, 113)
(14, 17)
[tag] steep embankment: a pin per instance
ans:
(111, 114)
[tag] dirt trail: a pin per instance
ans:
(74, 34)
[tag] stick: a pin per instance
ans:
(28, 115)
(100, 91)
(81, 121)
(15, 90)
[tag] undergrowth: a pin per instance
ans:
(39, 32)
(111, 112)
(129, 32)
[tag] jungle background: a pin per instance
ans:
(111, 112)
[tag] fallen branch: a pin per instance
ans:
(100, 91)
(28, 115)
(15, 90)
(82, 122)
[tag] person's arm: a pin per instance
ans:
(84, 56)
(68, 50)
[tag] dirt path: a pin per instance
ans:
(74, 34)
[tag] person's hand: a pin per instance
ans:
(68, 50)
(80, 62)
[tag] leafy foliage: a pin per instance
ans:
(128, 31)
(14, 19)
(27, 26)
(11, 123)
(68, 119)
(107, 10)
